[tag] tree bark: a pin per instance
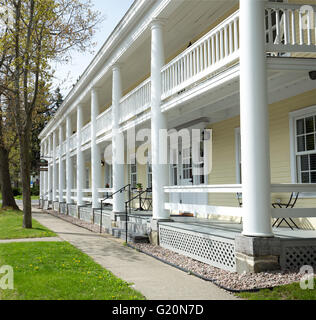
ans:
(25, 162)
(8, 200)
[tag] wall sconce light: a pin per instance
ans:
(312, 75)
(102, 163)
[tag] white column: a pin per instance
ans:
(46, 173)
(50, 181)
(158, 122)
(117, 143)
(254, 121)
(69, 170)
(42, 174)
(80, 159)
(61, 165)
(95, 151)
(54, 168)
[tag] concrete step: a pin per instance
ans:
(132, 237)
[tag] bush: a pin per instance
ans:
(35, 191)
(17, 192)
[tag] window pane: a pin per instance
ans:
(310, 142)
(304, 163)
(313, 161)
(309, 122)
(301, 144)
(313, 177)
(305, 177)
(300, 126)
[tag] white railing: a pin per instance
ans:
(85, 197)
(57, 150)
(208, 55)
(104, 121)
(73, 142)
(86, 133)
(235, 189)
(64, 148)
(136, 101)
(290, 27)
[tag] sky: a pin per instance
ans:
(112, 11)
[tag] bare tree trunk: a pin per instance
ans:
(7, 193)
(25, 162)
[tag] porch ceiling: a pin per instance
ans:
(287, 77)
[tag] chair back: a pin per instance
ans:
(239, 198)
(294, 198)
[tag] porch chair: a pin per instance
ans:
(147, 199)
(239, 198)
(290, 205)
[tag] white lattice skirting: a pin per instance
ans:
(298, 253)
(218, 252)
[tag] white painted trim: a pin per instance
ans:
(294, 213)
(238, 155)
(204, 209)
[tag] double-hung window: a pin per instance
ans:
(133, 172)
(304, 127)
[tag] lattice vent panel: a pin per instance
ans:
(295, 257)
(72, 211)
(218, 252)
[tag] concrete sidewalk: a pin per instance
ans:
(155, 280)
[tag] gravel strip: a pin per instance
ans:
(232, 281)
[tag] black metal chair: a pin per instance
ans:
(147, 200)
(290, 205)
(239, 198)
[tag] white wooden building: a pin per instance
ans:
(243, 69)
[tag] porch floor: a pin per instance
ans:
(230, 230)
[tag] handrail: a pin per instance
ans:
(129, 211)
(128, 186)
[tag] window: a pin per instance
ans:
(303, 127)
(108, 176)
(87, 178)
(133, 172)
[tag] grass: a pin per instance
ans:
(288, 292)
(59, 271)
(11, 227)
(21, 197)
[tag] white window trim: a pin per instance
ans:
(132, 160)
(293, 117)
(238, 155)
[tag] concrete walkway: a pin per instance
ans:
(155, 280)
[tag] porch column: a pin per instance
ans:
(49, 178)
(54, 168)
(68, 161)
(158, 122)
(117, 143)
(42, 192)
(255, 150)
(46, 172)
(80, 160)
(61, 165)
(95, 151)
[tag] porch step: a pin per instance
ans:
(132, 237)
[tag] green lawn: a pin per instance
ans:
(289, 292)
(58, 271)
(21, 197)
(11, 227)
